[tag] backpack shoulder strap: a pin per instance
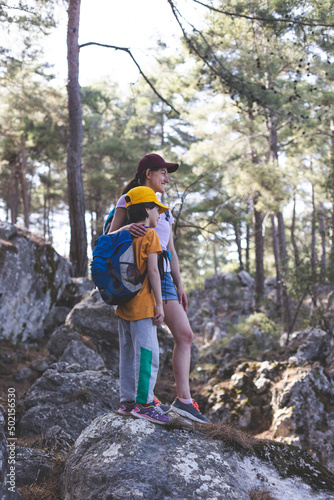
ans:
(108, 221)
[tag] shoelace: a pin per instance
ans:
(196, 406)
(156, 412)
(156, 409)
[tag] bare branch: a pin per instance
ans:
(194, 48)
(242, 86)
(265, 19)
(128, 51)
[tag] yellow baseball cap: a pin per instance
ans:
(143, 194)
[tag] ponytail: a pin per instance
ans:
(132, 184)
(138, 180)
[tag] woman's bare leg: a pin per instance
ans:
(177, 321)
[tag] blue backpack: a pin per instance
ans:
(114, 269)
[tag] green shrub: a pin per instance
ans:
(259, 330)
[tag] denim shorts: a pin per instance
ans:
(168, 288)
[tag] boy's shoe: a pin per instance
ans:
(164, 408)
(126, 408)
(189, 410)
(152, 413)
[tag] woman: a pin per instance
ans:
(152, 171)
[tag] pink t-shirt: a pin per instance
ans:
(163, 228)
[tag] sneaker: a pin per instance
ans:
(152, 413)
(164, 408)
(126, 408)
(189, 410)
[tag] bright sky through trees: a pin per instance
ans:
(132, 24)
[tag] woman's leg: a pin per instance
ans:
(177, 321)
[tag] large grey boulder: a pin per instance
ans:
(68, 397)
(290, 403)
(77, 352)
(225, 299)
(32, 278)
(301, 405)
(60, 339)
(97, 322)
(117, 457)
(312, 344)
(32, 465)
(93, 313)
(75, 290)
(8, 470)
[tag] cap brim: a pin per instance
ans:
(171, 167)
(162, 208)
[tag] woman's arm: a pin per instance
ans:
(154, 277)
(118, 223)
(119, 220)
(175, 272)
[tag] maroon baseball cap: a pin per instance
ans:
(153, 161)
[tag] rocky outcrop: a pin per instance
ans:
(302, 403)
(312, 344)
(32, 278)
(75, 290)
(117, 457)
(32, 465)
(290, 401)
(8, 469)
(68, 397)
(97, 321)
(243, 376)
(225, 298)
(303, 398)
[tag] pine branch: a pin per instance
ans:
(234, 82)
(128, 51)
(266, 19)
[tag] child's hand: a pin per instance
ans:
(159, 316)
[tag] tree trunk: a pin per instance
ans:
(47, 208)
(313, 239)
(258, 235)
(13, 195)
(236, 228)
(331, 191)
(23, 181)
(273, 141)
(259, 252)
(279, 294)
(99, 217)
(76, 201)
(293, 237)
(283, 256)
(215, 259)
(284, 271)
(273, 155)
(92, 229)
(247, 247)
(322, 230)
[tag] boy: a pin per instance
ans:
(139, 318)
